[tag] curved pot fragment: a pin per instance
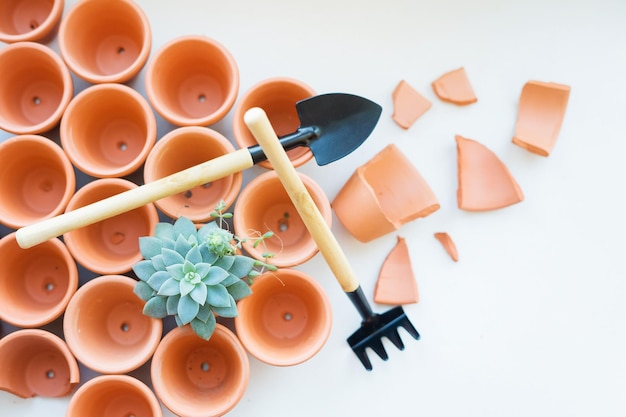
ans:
(455, 87)
(396, 283)
(408, 105)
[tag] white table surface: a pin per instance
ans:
(531, 320)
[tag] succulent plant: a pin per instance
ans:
(194, 274)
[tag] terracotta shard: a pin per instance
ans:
(408, 105)
(396, 282)
(454, 87)
(484, 182)
(448, 244)
(540, 115)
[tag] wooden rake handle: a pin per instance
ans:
(261, 128)
(120, 203)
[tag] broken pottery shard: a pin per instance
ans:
(540, 115)
(484, 182)
(396, 283)
(448, 245)
(454, 87)
(408, 105)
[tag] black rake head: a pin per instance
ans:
(377, 326)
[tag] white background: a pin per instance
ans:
(532, 319)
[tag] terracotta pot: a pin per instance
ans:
(106, 329)
(192, 80)
(286, 320)
(183, 148)
(35, 88)
(37, 180)
(375, 201)
(33, 20)
(36, 284)
(114, 396)
(264, 205)
(278, 98)
(109, 246)
(108, 130)
(36, 362)
(197, 378)
(105, 41)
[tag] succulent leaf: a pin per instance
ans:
(215, 275)
(164, 231)
(241, 266)
(171, 257)
(157, 262)
(150, 246)
(170, 287)
(172, 304)
(205, 312)
(176, 271)
(157, 279)
(199, 293)
(203, 329)
(187, 287)
(143, 290)
(187, 309)
(239, 290)
(182, 245)
(194, 255)
(218, 296)
(144, 269)
(230, 311)
(155, 307)
(184, 227)
(225, 262)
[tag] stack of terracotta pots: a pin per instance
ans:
(106, 134)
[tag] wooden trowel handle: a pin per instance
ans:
(176, 183)
(261, 128)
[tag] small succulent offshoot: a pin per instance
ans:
(195, 274)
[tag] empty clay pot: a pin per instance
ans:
(278, 98)
(286, 320)
(192, 80)
(264, 205)
(109, 246)
(35, 88)
(36, 362)
(108, 130)
(183, 148)
(106, 329)
(36, 284)
(194, 377)
(37, 180)
(382, 195)
(105, 41)
(32, 20)
(114, 396)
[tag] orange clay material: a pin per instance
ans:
(408, 105)
(484, 182)
(454, 87)
(396, 282)
(448, 244)
(540, 116)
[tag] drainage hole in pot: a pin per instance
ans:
(188, 194)
(117, 238)
(283, 224)
(206, 185)
(201, 97)
(287, 316)
(49, 286)
(36, 100)
(34, 24)
(122, 146)
(121, 50)
(45, 186)
(204, 366)
(125, 327)
(50, 374)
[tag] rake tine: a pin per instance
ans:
(362, 355)
(377, 346)
(408, 326)
(394, 337)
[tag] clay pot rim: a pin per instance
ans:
(153, 218)
(68, 169)
(118, 77)
(180, 120)
(127, 380)
(184, 332)
(239, 126)
(245, 199)
(61, 306)
(41, 31)
(68, 89)
(71, 334)
(70, 149)
(57, 342)
(278, 359)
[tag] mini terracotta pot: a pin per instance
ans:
(106, 329)
(382, 195)
(183, 148)
(197, 378)
(108, 130)
(114, 396)
(264, 205)
(286, 320)
(35, 88)
(33, 20)
(36, 284)
(278, 98)
(105, 41)
(192, 81)
(36, 362)
(109, 246)
(37, 180)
